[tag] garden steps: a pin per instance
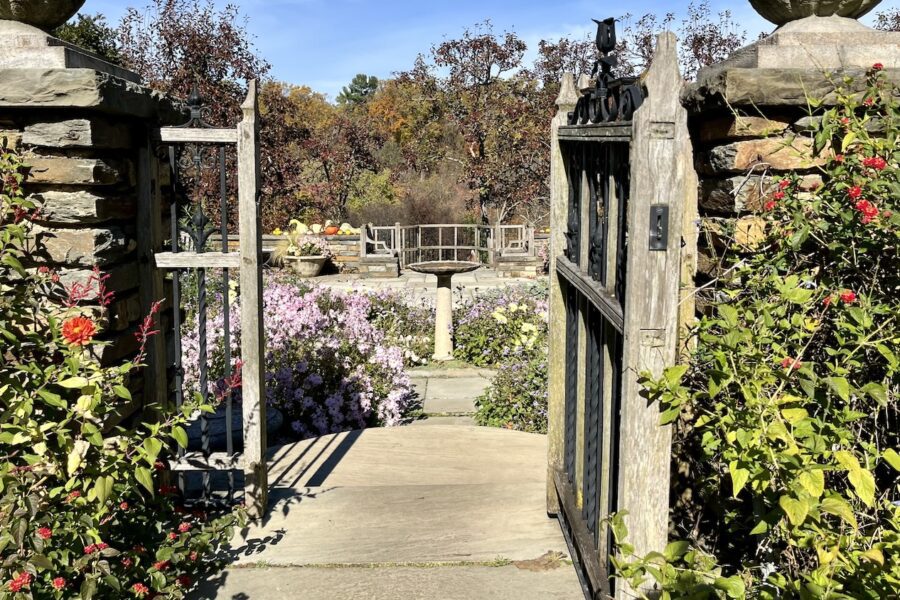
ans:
(404, 512)
(450, 392)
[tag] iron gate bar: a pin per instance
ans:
(571, 398)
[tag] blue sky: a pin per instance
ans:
(324, 43)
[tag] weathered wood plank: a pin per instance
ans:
(582, 539)
(150, 239)
(601, 132)
(559, 202)
(194, 260)
(599, 297)
(660, 171)
(252, 335)
(175, 135)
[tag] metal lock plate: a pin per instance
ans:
(659, 227)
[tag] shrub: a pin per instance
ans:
(491, 327)
(788, 410)
(82, 510)
(329, 368)
(507, 329)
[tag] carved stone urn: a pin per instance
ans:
(785, 11)
(45, 14)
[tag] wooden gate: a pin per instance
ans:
(620, 178)
(202, 153)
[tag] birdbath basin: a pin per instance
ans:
(443, 318)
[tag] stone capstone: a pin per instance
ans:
(785, 11)
(46, 14)
(737, 126)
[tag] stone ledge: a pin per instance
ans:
(721, 87)
(78, 133)
(86, 89)
(63, 170)
(81, 207)
(80, 247)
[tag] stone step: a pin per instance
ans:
(508, 582)
(464, 421)
(450, 396)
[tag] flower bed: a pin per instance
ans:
(507, 330)
(335, 361)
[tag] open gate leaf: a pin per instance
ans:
(796, 510)
(739, 478)
(863, 483)
(813, 482)
(892, 458)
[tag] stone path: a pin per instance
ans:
(440, 509)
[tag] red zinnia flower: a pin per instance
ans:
(123, 505)
(173, 536)
(193, 556)
(877, 67)
(784, 184)
(140, 590)
(184, 527)
(855, 192)
(79, 331)
(839, 158)
(58, 583)
(875, 162)
(868, 102)
(45, 532)
(127, 562)
(161, 565)
(779, 195)
(73, 495)
(848, 296)
(790, 363)
(770, 205)
(22, 580)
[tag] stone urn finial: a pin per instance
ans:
(45, 14)
(785, 11)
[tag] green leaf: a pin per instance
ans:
(877, 392)
(144, 477)
(732, 586)
(794, 415)
(847, 460)
(52, 399)
(180, 436)
(122, 392)
(864, 485)
(848, 139)
(676, 550)
(813, 482)
(837, 506)
(88, 588)
(892, 458)
(840, 386)
(796, 510)
(74, 383)
(874, 555)
(152, 447)
(739, 478)
(103, 488)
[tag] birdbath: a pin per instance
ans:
(443, 320)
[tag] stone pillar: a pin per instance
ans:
(83, 127)
(750, 124)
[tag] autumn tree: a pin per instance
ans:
(175, 44)
(888, 20)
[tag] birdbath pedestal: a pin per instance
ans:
(443, 320)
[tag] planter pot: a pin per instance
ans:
(785, 11)
(45, 14)
(306, 266)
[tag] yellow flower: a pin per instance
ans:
(499, 318)
(277, 231)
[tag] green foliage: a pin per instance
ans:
(359, 91)
(787, 414)
(84, 510)
(93, 33)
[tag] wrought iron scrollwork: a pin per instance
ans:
(199, 111)
(612, 98)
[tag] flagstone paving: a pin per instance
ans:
(441, 509)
